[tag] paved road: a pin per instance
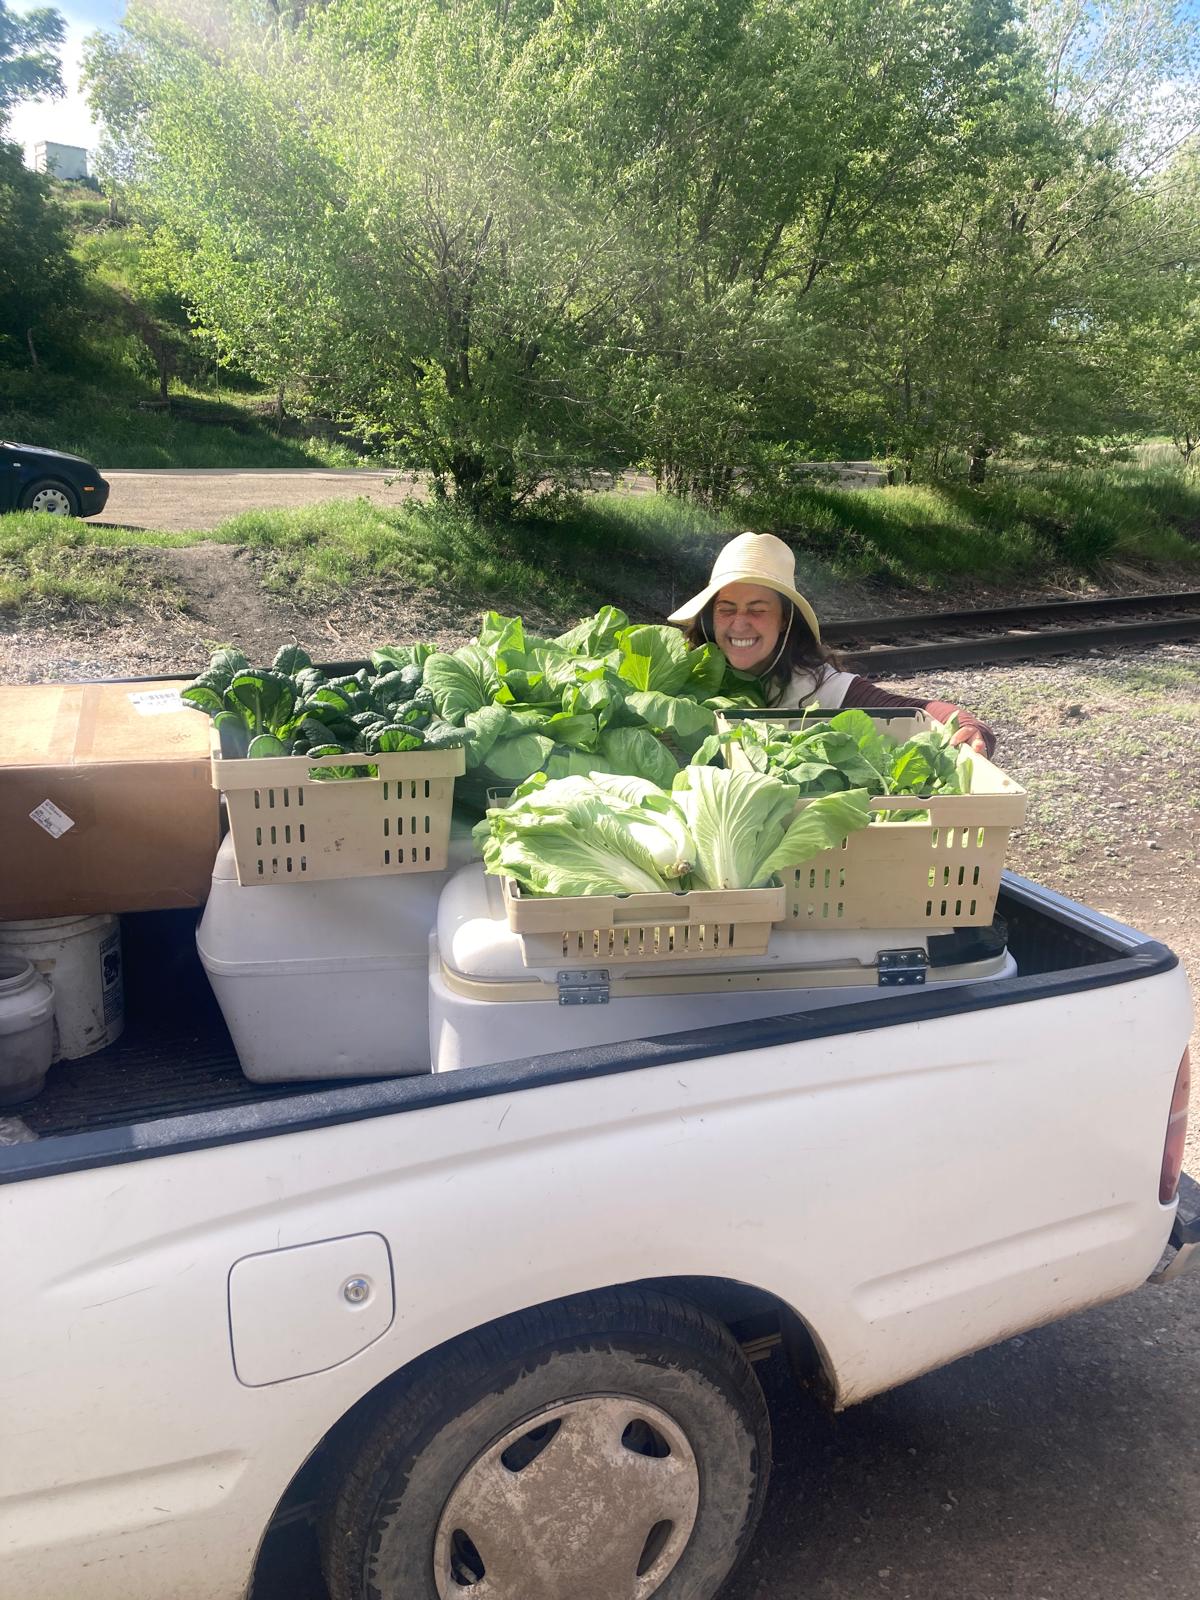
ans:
(1062, 1465)
(183, 500)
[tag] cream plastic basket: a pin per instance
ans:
(290, 827)
(578, 930)
(940, 873)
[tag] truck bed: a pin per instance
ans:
(172, 1082)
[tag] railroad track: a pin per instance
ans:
(1046, 628)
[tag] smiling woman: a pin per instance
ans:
(752, 610)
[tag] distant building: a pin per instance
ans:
(63, 160)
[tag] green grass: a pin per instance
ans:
(640, 551)
(627, 549)
(55, 566)
(1019, 526)
(609, 546)
(110, 428)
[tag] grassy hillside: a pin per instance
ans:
(648, 552)
(98, 389)
(122, 425)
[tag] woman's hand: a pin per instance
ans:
(972, 737)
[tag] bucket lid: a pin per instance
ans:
(54, 927)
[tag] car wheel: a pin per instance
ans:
(53, 496)
(606, 1447)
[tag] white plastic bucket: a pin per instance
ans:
(81, 958)
(26, 1030)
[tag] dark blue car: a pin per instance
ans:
(35, 479)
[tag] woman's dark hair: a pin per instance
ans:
(801, 652)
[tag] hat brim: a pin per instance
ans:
(692, 608)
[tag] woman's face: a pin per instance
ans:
(747, 622)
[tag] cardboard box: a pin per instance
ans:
(106, 800)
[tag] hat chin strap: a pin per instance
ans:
(767, 671)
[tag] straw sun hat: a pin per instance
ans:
(752, 558)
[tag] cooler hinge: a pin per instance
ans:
(587, 987)
(898, 968)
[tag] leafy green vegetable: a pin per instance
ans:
(275, 712)
(571, 837)
(390, 740)
(203, 697)
(513, 758)
(850, 751)
(462, 682)
(604, 696)
(821, 825)
(267, 699)
(291, 660)
(743, 828)
(636, 750)
(686, 723)
(391, 657)
(224, 667)
(617, 834)
(653, 658)
(231, 730)
(266, 744)
(594, 636)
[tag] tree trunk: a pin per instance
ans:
(978, 467)
(280, 411)
(483, 492)
(33, 355)
(163, 375)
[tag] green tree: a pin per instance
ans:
(39, 282)
(1045, 251)
(29, 65)
(511, 241)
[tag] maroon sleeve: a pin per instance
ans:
(863, 693)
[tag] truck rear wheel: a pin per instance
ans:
(606, 1447)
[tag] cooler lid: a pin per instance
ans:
(476, 942)
(338, 922)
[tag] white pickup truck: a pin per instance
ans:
(494, 1328)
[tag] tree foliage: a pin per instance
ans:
(29, 66)
(514, 240)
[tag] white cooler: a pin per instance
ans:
(326, 979)
(486, 1006)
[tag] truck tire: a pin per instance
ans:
(52, 495)
(605, 1447)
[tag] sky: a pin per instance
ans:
(64, 121)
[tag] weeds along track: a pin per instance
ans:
(1011, 633)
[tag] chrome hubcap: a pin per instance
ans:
(588, 1500)
(53, 501)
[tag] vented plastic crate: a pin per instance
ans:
(289, 826)
(578, 930)
(940, 873)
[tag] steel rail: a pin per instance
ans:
(1047, 628)
(902, 643)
